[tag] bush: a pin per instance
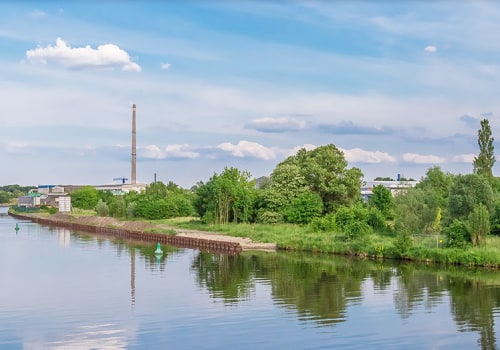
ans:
(376, 219)
(343, 217)
(305, 207)
(102, 208)
(325, 223)
(402, 244)
(357, 229)
(269, 217)
(457, 235)
(208, 217)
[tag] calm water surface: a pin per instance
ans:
(69, 290)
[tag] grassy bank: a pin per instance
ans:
(424, 248)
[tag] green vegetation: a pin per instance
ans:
(312, 202)
(10, 192)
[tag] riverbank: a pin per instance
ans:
(149, 231)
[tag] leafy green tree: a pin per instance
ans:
(436, 185)
(5, 197)
(466, 193)
(479, 225)
(85, 198)
(411, 213)
(324, 171)
(228, 197)
(382, 200)
(483, 163)
(286, 184)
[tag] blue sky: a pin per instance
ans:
(398, 86)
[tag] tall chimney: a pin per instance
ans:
(134, 151)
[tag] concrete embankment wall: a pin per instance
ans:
(177, 241)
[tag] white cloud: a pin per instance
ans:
(171, 151)
(18, 148)
(358, 155)
(37, 14)
(165, 66)
(246, 149)
(277, 124)
(105, 56)
(430, 48)
(422, 159)
(464, 158)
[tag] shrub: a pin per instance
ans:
(357, 229)
(403, 243)
(269, 217)
(102, 208)
(305, 207)
(457, 235)
(325, 223)
(376, 219)
(343, 217)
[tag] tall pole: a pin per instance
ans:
(134, 151)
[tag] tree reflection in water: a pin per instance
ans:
(321, 288)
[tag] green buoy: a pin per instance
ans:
(17, 228)
(158, 250)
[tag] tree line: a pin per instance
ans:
(316, 188)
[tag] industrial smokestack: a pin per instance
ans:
(134, 150)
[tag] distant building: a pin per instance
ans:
(394, 186)
(31, 200)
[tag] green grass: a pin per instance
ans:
(426, 248)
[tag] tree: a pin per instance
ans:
(324, 171)
(225, 198)
(436, 184)
(412, 214)
(479, 225)
(382, 200)
(85, 198)
(466, 193)
(483, 163)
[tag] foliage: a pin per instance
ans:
(382, 200)
(325, 223)
(479, 225)
(357, 229)
(343, 217)
(483, 163)
(466, 193)
(102, 208)
(286, 184)
(322, 170)
(269, 217)
(304, 208)
(85, 198)
(5, 197)
(495, 219)
(412, 214)
(376, 219)
(457, 234)
(227, 197)
(436, 185)
(403, 243)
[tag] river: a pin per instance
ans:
(70, 290)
